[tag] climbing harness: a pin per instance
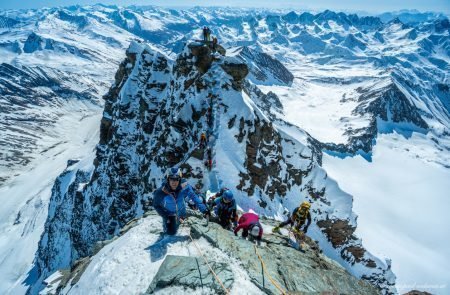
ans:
(268, 275)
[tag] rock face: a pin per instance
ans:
(415, 292)
(154, 114)
(292, 270)
(33, 43)
(191, 272)
(384, 102)
(264, 69)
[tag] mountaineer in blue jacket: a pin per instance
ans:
(225, 209)
(169, 200)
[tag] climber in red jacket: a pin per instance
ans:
(249, 223)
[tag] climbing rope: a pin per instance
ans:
(267, 273)
(207, 263)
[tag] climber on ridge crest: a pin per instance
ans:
(170, 200)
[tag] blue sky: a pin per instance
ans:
(342, 5)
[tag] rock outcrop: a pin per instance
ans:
(292, 270)
(191, 272)
(264, 69)
(273, 267)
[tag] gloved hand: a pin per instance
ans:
(235, 233)
(207, 213)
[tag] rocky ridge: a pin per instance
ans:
(153, 115)
(275, 265)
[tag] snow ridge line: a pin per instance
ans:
(214, 182)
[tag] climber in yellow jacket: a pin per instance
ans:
(297, 219)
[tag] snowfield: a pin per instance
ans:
(26, 197)
(403, 204)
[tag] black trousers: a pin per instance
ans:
(170, 225)
(225, 221)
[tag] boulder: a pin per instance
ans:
(192, 273)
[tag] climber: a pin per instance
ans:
(205, 34)
(209, 154)
(217, 195)
(203, 140)
(210, 117)
(225, 209)
(249, 222)
(297, 220)
(169, 200)
(208, 34)
(214, 44)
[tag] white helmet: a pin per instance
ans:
(255, 230)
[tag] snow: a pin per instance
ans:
(402, 203)
(25, 198)
(128, 264)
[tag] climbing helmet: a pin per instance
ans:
(227, 196)
(305, 204)
(255, 230)
(174, 173)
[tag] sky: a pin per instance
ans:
(342, 5)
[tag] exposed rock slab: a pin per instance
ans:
(191, 272)
(292, 270)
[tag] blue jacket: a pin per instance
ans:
(172, 203)
(227, 209)
(190, 196)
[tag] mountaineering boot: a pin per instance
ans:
(301, 247)
(276, 230)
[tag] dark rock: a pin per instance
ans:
(416, 292)
(236, 69)
(203, 57)
(264, 68)
(34, 42)
(71, 162)
(338, 231)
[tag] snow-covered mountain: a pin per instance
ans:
(292, 86)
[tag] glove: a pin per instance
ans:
(207, 214)
(235, 233)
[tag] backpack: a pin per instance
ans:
(301, 214)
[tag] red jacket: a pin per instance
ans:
(246, 221)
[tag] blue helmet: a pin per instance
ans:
(228, 196)
(174, 173)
